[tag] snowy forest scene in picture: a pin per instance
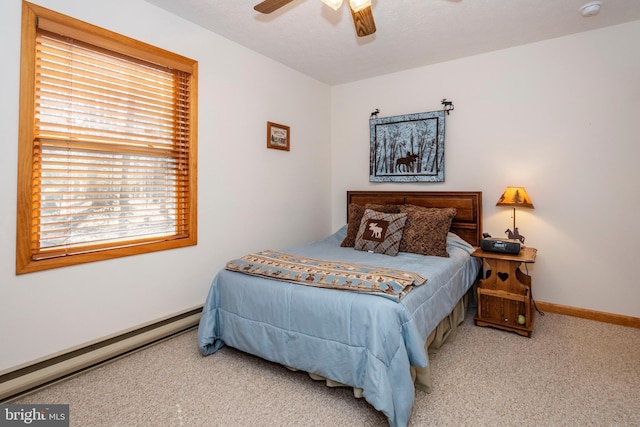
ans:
(408, 148)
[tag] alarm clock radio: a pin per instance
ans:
(505, 246)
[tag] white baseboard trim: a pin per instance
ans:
(27, 378)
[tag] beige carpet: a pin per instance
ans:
(572, 372)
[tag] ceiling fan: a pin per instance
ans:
(360, 11)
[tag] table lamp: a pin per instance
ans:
(515, 197)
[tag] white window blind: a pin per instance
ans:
(110, 149)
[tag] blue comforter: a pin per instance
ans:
(361, 340)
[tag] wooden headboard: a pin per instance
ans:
(466, 224)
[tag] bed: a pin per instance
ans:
(376, 341)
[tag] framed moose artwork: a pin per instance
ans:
(408, 148)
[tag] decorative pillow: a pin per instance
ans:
(380, 232)
(355, 216)
(426, 230)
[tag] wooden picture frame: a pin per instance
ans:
(278, 136)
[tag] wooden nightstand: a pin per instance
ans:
(505, 294)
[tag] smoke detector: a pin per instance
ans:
(591, 9)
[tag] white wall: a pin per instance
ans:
(250, 197)
(561, 118)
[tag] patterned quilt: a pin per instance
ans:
(390, 283)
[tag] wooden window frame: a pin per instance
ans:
(25, 260)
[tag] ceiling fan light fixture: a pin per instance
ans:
(358, 5)
(333, 4)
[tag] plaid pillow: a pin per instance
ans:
(355, 217)
(380, 232)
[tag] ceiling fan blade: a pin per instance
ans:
(363, 21)
(268, 6)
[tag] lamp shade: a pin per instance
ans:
(515, 197)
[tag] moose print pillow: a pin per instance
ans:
(355, 217)
(380, 232)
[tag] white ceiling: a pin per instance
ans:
(312, 38)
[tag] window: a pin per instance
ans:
(107, 145)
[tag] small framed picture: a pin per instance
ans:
(278, 136)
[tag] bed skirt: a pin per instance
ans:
(446, 330)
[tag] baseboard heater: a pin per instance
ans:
(32, 376)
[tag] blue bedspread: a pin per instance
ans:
(361, 340)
